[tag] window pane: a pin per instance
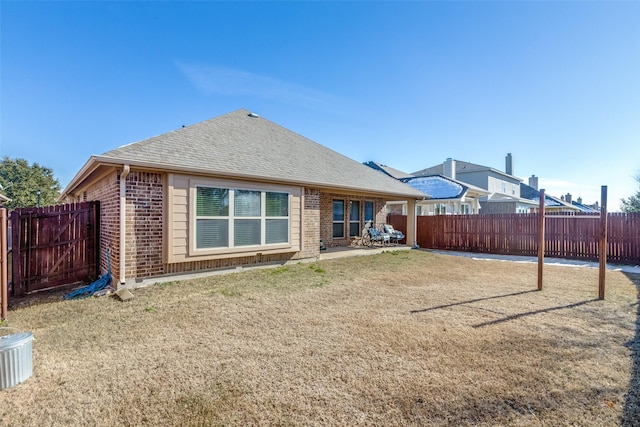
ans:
(246, 232)
(338, 210)
(368, 211)
(277, 231)
(212, 233)
(354, 211)
(277, 204)
(354, 229)
(246, 203)
(212, 201)
(338, 229)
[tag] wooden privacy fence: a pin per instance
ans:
(54, 246)
(566, 236)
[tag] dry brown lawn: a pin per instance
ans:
(400, 338)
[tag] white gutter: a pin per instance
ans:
(123, 222)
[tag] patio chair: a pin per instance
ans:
(395, 235)
(379, 236)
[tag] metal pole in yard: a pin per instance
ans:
(540, 239)
(602, 252)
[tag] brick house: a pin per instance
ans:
(231, 191)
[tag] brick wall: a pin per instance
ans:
(145, 235)
(144, 224)
(106, 190)
(310, 224)
(326, 216)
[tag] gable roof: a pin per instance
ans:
(584, 208)
(530, 193)
(243, 145)
(393, 173)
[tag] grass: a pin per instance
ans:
(400, 338)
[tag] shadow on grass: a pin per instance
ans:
(631, 410)
(531, 313)
(42, 297)
(422, 310)
(508, 318)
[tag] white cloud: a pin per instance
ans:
(229, 81)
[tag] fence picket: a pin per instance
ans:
(566, 236)
(54, 246)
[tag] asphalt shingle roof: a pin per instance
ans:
(392, 172)
(241, 144)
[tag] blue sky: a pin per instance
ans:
(408, 84)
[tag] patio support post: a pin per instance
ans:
(123, 222)
(411, 223)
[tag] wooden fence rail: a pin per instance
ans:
(566, 236)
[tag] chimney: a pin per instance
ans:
(567, 198)
(449, 168)
(579, 200)
(533, 182)
(509, 164)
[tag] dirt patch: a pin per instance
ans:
(400, 338)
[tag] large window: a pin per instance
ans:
(338, 219)
(354, 218)
(228, 218)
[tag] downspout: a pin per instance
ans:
(123, 221)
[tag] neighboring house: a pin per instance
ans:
(443, 195)
(393, 173)
(230, 191)
(585, 208)
(446, 196)
(551, 204)
(503, 188)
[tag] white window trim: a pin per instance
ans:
(237, 185)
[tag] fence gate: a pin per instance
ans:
(54, 246)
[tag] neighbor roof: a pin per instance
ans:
(437, 186)
(584, 208)
(392, 172)
(241, 144)
(528, 192)
(462, 168)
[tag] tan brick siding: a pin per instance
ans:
(144, 224)
(106, 190)
(146, 193)
(326, 216)
(311, 224)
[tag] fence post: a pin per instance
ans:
(540, 239)
(4, 294)
(602, 252)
